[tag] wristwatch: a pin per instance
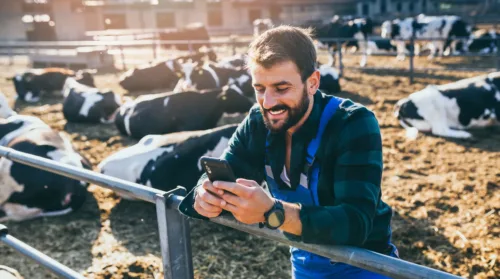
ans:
(275, 217)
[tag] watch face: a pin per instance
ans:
(275, 219)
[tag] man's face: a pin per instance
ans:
(281, 94)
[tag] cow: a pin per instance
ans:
(165, 161)
(5, 110)
(9, 273)
(350, 32)
(171, 112)
(30, 84)
(210, 76)
(329, 80)
(88, 104)
(483, 41)
(27, 192)
(195, 31)
(445, 28)
(233, 62)
(447, 110)
(261, 25)
(161, 74)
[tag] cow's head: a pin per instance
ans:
(108, 106)
(5, 110)
(233, 100)
(244, 82)
(86, 77)
(25, 90)
(386, 29)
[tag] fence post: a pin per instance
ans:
(341, 65)
(190, 47)
(175, 239)
(122, 55)
(412, 56)
(154, 45)
(233, 45)
(11, 57)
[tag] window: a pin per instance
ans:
(445, 6)
(165, 20)
(115, 21)
(214, 18)
(424, 4)
(383, 6)
(366, 9)
(253, 15)
(399, 7)
(411, 7)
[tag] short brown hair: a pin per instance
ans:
(285, 43)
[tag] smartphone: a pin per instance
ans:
(217, 169)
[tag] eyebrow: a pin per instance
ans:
(276, 84)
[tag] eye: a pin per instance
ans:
(260, 90)
(281, 89)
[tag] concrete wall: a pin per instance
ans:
(11, 25)
(69, 25)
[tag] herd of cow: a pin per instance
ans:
(177, 127)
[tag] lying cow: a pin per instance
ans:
(209, 76)
(162, 75)
(446, 109)
(27, 192)
(30, 84)
(483, 41)
(88, 104)
(174, 112)
(5, 110)
(233, 62)
(329, 81)
(165, 161)
(427, 27)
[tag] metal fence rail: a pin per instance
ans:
(174, 228)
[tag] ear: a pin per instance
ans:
(9, 78)
(312, 82)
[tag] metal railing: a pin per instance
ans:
(153, 48)
(174, 229)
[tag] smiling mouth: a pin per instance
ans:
(277, 112)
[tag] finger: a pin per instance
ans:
(229, 207)
(205, 213)
(231, 187)
(246, 182)
(209, 208)
(210, 198)
(233, 199)
(210, 187)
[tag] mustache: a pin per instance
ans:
(277, 108)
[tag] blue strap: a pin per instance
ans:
(327, 114)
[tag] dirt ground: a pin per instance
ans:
(445, 195)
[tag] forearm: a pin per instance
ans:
(292, 224)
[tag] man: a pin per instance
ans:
(320, 155)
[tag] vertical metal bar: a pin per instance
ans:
(39, 257)
(190, 47)
(122, 55)
(11, 57)
(498, 54)
(154, 45)
(341, 65)
(412, 56)
(175, 239)
(233, 45)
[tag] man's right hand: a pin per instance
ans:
(206, 203)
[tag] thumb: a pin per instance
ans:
(246, 182)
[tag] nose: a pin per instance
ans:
(269, 100)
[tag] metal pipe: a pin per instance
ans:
(412, 57)
(362, 258)
(141, 192)
(39, 257)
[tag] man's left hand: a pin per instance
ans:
(245, 199)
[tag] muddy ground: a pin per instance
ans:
(445, 195)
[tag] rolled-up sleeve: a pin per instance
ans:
(357, 173)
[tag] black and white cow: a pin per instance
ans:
(261, 25)
(184, 111)
(27, 192)
(209, 76)
(483, 41)
(329, 81)
(165, 161)
(234, 62)
(89, 104)
(30, 84)
(446, 110)
(445, 28)
(5, 110)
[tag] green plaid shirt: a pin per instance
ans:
(351, 210)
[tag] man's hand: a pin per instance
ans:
(245, 199)
(206, 203)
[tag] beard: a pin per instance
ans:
(294, 115)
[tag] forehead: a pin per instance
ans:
(283, 71)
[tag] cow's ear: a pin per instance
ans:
(9, 78)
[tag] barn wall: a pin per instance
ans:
(12, 27)
(69, 25)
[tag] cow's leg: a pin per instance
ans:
(19, 212)
(401, 48)
(363, 48)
